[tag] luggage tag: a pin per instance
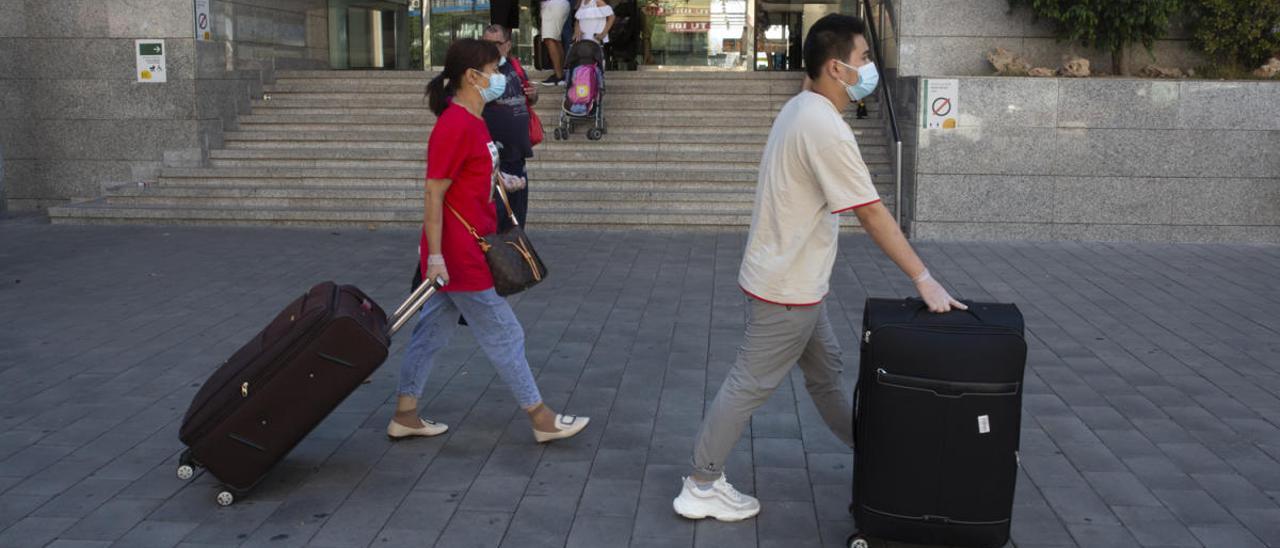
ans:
(984, 424)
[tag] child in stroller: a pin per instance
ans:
(584, 91)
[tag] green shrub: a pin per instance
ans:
(1108, 25)
(1240, 33)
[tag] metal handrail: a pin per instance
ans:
(887, 5)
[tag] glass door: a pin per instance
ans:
(781, 28)
(369, 35)
(694, 33)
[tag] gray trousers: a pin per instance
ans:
(778, 338)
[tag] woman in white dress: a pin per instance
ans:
(594, 19)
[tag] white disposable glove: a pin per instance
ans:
(512, 183)
(436, 269)
(934, 295)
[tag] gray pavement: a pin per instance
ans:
(1152, 394)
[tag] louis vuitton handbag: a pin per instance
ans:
(511, 257)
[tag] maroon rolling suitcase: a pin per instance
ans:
(273, 391)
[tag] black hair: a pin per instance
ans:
(832, 37)
(506, 32)
(463, 55)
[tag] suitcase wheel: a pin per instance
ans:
(225, 498)
(857, 541)
(186, 466)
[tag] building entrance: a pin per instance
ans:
(731, 35)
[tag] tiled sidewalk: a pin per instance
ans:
(1152, 405)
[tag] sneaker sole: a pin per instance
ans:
(679, 508)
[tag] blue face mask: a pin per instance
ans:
(497, 87)
(868, 77)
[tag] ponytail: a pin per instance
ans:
(463, 55)
(438, 95)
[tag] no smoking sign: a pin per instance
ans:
(941, 103)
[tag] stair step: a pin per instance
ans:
(588, 151)
(98, 211)
(346, 148)
(418, 137)
(306, 119)
(658, 173)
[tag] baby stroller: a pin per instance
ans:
(584, 92)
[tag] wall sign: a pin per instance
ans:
(204, 30)
(941, 103)
(150, 62)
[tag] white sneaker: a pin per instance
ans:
(397, 431)
(721, 501)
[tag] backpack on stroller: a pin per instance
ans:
(584, 92)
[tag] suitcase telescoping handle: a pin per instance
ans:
(412, 305)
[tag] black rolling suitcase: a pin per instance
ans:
(937, 412)
(273, 391)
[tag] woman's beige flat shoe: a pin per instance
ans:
(397, 431)
(567, 426)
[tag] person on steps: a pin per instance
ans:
(555, 13)
(812, 170)
(461, 160)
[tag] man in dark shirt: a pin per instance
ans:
(508, 121)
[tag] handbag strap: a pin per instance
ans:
(502, 193)
(484, 246)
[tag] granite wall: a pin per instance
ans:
(74, 121)
(952, 37)
(1101, 159)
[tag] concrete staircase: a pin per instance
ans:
(328, 148)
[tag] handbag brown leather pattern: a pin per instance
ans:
(514, 263)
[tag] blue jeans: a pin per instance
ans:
(496, 329)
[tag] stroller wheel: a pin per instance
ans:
(595, 134)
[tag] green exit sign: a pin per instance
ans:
(151, 49)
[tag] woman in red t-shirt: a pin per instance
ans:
(461, 160)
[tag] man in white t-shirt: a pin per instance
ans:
(812, 170)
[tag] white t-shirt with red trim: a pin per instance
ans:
(812, 170)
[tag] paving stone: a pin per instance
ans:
(1101, 535)
(541, 521)
(1108, 423)
(1195, 507)
(475, 529)
(63, 543)
(609, 497)
(788, 521)
(656, 521)
(112, 520)
(1079, 505)
(81, 499)
(1155, 526)
(778, 453)
(783, 484)
(1234, 492)
(1037, 524)
(1233, 536)
(600, 532)
(34, 531)
(1264, 524)
(156, 534)
(710, 533)
(1121, 489)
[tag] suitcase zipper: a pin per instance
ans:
(288, 354)
(947, 389)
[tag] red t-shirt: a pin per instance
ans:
(461, 150)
